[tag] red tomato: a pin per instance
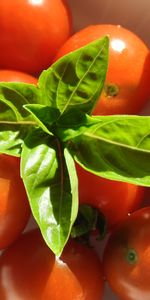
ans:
(127, 257)
(114, 199)
(16, 76)
(127, 87)
(31, 32)
(14, 207)
(30, 271)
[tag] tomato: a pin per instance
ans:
(14, 206)
(127, 257)
(30, 271)
(16, 76)
(114, 199)
(127, 86)
(31, 32)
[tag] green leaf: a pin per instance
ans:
(15, 121)
(76, 80)
(85, 222)
(71, 125)
(11, 138)
(50, 179)
(89, 219)
(12, 98)
(114, 147)
(45, 116)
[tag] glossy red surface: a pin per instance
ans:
(31, 32)
(30, 271)
(127, 257)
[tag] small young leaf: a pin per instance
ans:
(85, 222)
(76, 80)
(44, 115)
(50, 179)
(89, 219)
(117, 148)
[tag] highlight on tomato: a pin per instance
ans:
(127, 257)
(16, 76)
(14, 206)
(126, 89)
(32, 32)
(114, 199)
(34, 273)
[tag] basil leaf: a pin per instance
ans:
(45, 116)
(76, 80)
(88, 219)
(12, 98)
(28, 91)
(85, 222)
(71, 124)
(117, 148)
(49, 176)
(11, 138)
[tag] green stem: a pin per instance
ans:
(19, 123)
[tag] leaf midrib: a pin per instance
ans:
(115, 143)
(81, 79)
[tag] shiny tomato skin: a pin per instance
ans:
(128, 70)
(14, 206)
(33, 272)
(16, 76)
(127, 257)
(31, 32)
(114, 199)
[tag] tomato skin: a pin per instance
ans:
(14, 206)
(127, 257)
(16, 76)
(129, 68)
(114, 199)
(31, 32)
(33, 272)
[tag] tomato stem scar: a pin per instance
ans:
(111, 90)
(131, 256)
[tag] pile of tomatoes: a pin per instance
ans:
(34, 34)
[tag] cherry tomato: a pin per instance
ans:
(14, 206)
(127, 86)
(30, 271)
(16, 76)
(127, 257)
(114, 199)
(31, 32)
